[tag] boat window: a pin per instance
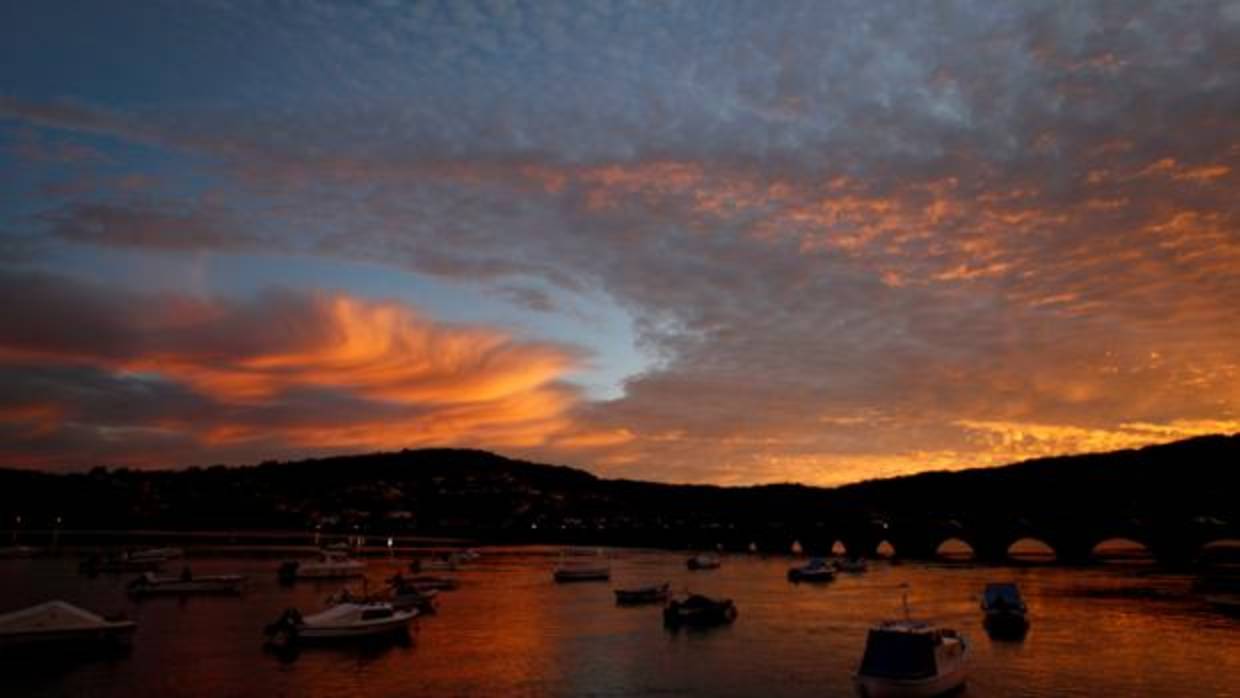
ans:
(898, 655)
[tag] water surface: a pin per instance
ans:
(1107, 630)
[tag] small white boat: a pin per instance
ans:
(816, 570)
(58, 622)
(852, 565)
(151, 585)
(346, 620)
(704, 561)
(330, 565)
(156, 554)
(911, 659)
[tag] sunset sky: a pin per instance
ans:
(729, 242)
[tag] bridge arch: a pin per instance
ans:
(1220, 551)
(955, 549)
(1121, 549)
(1030, 549)
(885, 549)
(838, 548)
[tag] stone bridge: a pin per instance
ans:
(1175, 543)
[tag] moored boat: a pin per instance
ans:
(186, 584)
(330, 565)
(159, 554)
(703, 561)
(61, 623)
(1006, 613)
(911, 659)
(816, 570)
(427, 582)
(654, 593)
(699, 611)
(121, 562)
(343, 621)
(582, 572)
(852, 565)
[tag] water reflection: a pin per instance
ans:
(509, 630)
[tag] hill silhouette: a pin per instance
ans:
(489, 497)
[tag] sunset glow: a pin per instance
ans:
(676, 244)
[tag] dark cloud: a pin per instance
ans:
(855, 238)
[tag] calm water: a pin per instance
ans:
(1116, 630)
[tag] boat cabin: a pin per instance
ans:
(904, 650)
(1002, 597)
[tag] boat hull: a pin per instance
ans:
(219, 585)
(1006, 625)
(566, 576)
(810, 577)
(633, 597)
(116, 634)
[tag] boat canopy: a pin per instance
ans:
(1002, 594)
(899, 655)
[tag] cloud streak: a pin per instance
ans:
(854, 240)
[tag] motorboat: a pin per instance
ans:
(911, 659)
(160, 554)
(120, 562)
(703, 561)
(469, 555)
(1006, 613)
(346, 620)
(582, 571)
(816, 570)
(852, 565)
(62, 623)
(699, 611)
(330, 565)
(186, 584)
(655, 593)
